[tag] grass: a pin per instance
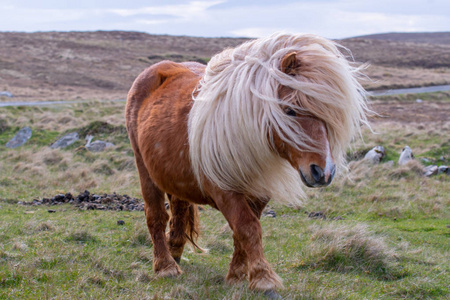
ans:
(385, 233)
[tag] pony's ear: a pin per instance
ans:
(290, 63)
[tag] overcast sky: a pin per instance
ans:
(228, 18)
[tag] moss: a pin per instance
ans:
(436, 154)
(42, 137)
(39, 137)
(100, 127)
(104, 131)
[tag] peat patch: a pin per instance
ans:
(89, 201)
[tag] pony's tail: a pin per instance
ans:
(193, 227)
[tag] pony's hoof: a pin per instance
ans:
(272, 294)
(265, 281)
(171, 270)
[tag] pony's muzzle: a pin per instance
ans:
(318, 177)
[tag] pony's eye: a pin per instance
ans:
(291, 112)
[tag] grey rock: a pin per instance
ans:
(66, 140)
(375, 155)
(20, 138)
(444, 169)
(317, 215)
(269, 213)
(96, 146)
(6, 94)
(430, 171)
(405, 156)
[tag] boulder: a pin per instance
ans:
(444, 169)
(20, 138)
(96, 146)
(269, 213)
(66, 140)
(375, 155)
(405, 156)
(430, 171)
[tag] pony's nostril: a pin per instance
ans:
(332, 173)
(317, 173)
(333, 170)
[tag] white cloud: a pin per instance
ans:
(333, 19)
(330, 18)
(188, 10)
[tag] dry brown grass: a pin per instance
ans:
(58, 65)
(388, 77)
(38, 226)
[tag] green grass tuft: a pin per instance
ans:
(343, 248)
(81, 237)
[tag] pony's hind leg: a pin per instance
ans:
(155, 212)
(178, 224)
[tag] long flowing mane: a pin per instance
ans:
(237, 109)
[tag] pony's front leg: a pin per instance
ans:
(239, 263)
(247, 234)
(238, 270)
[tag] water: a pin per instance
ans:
(47, 103)
(419, 90)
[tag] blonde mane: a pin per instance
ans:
(237, 109)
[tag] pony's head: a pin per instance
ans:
(314, 162)
(274, 112)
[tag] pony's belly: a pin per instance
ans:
(175, 179)
(166, 156)
(170, 170)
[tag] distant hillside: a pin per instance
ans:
(103, 64)
(412, 37)
(403, 54)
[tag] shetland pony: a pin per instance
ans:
(250, 127)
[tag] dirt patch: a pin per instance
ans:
(410, 112)
(88, 201)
